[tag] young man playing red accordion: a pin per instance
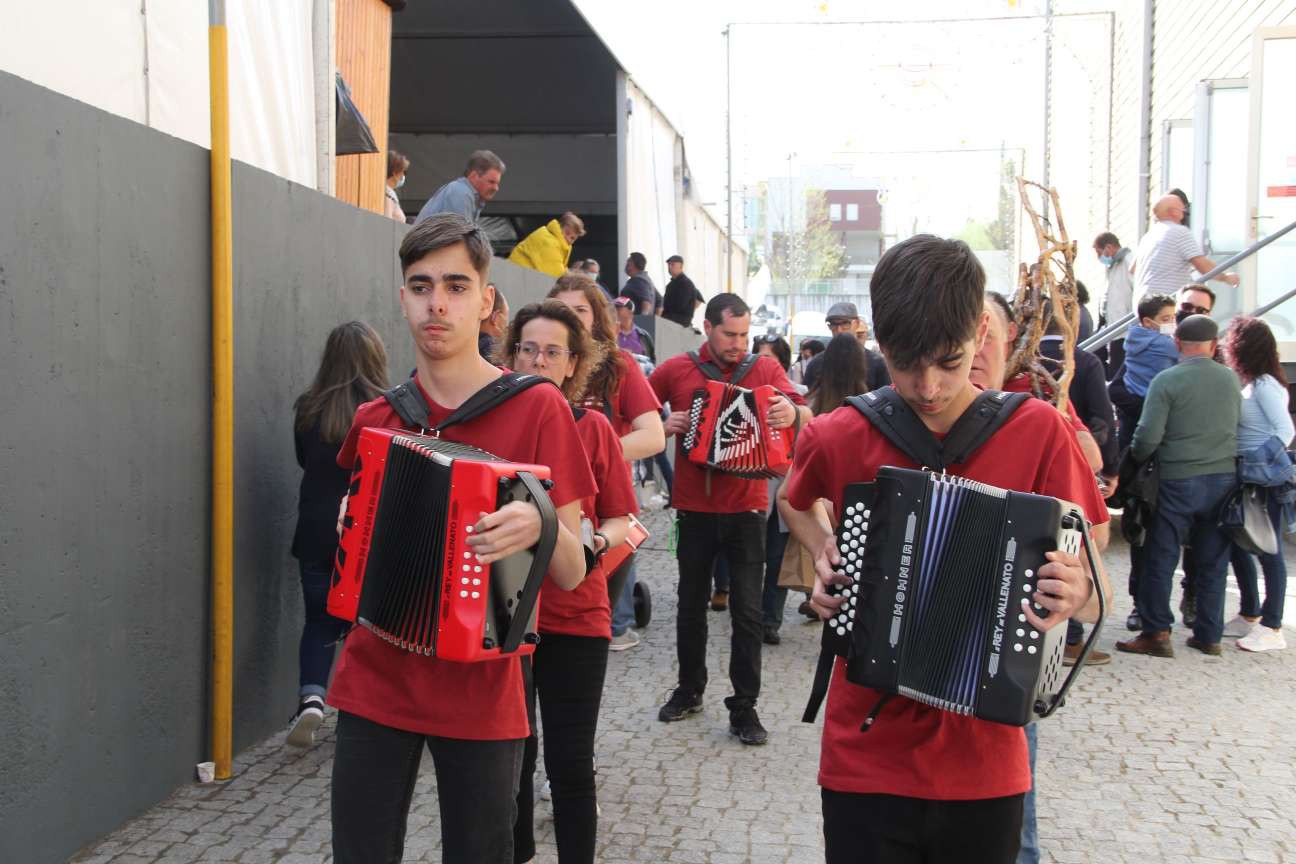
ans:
(391, 703)
(924, 784)
(721, 514)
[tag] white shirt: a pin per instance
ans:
(1163, 260)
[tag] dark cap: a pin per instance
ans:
(675, 259)
(842, 310)
(1197, 328)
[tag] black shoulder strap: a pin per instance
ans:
(577, 413)
(981, 420)
(407, 401)
(712, 371)
(893, 417)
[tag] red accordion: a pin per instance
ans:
(404, 569)
(728, 431)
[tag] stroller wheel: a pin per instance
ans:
(642, 605)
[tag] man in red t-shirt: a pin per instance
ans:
(391, 703)
(924, 784)
(720, 514)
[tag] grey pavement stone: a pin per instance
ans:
(1191, 759)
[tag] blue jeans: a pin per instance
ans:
(662, 461)
(1183, 506)
(1029, 851)
(774, 598)
(623, 612)
(1275, 573)
(321, 632)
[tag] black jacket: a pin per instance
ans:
(878, 376)
(1088, 392)
(681, 298)
(322, 486)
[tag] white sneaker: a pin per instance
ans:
(1239, 627)
(309, 716)
(546, 792)
(1263, 639)
(628, 639)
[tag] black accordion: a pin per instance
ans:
(940, 566)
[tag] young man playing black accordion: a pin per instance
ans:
(392, 703)
(902, 781)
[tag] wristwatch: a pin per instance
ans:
(607, 544)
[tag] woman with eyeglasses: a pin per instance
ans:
(570, 661)
(618, 388)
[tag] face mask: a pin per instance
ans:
(1106, 260)
(400, 182)
(1167, 329)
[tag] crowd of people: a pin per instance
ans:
(1159, 429)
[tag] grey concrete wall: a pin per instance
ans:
(104, 540)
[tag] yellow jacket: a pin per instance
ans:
(544, 249)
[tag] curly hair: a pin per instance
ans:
(603, 380)
(587, 352)
(1251, 349)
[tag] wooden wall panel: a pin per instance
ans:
(364, 33)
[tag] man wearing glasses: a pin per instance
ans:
(844, 318)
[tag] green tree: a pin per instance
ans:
(812, 252)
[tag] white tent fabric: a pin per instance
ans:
(650, 180)
(149, 64)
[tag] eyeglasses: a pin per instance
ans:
(552, 353)
(1193, 309)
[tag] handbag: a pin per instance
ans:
(1245, 516)
(797, 570)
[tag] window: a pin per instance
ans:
(852, 212)
(834, 212)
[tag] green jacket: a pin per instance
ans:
(1190, 417)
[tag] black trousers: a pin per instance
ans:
(567, 674)
(740, 538)
(890, 829)
(374, 769)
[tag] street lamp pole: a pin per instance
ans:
(728, 170)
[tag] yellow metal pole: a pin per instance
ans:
(222, 263)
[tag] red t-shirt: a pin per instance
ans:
(1021, 383)
(674, 381)
(584, 611)
(632, 396)
(913, 750)
(479, 701)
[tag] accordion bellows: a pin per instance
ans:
(404, 569)
(728, 431)
(941, 565)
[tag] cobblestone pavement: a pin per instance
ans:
(1190, 759)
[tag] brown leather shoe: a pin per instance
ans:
(1096, 657)
(1153, 644)
(719, 601)
(1211, 649)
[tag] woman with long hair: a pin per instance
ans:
(570, 661)
(1252, 352)
(844, 373)
(773, 598)
(352, 371)
(618, 388)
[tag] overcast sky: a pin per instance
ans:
(835, 92)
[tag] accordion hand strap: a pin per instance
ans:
(1076, 520)
(544, 549)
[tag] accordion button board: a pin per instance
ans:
(939, 566)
